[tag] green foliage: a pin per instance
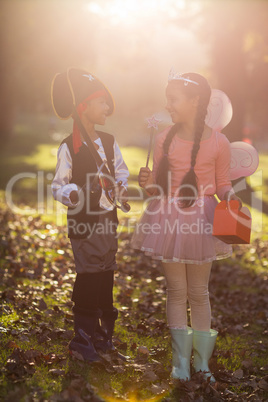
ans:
(232, 346)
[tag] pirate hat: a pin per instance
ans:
(70, 88)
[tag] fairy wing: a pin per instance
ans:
(219, 111)
(244, 160)
(244, 157)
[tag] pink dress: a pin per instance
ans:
(172, 234)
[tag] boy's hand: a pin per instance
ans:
(120, 193)
(74, 197)
(145, 177)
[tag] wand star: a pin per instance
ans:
(153, 122)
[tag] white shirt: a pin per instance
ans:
(61, 186)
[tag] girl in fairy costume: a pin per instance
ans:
(191, 165)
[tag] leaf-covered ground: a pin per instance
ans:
(36, 278)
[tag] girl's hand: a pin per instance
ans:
(145, 177)
(231, 196)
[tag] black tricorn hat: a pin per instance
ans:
(70, 88)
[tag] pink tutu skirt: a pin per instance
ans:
(172, 234)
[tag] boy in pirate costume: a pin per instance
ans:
(90, 171)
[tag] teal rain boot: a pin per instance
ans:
(203, 345)
(182, 340)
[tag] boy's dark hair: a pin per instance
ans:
(189, 182)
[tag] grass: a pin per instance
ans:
(42, 380)
(238, 347)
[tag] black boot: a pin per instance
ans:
(104, 333)
(108, 319)
(82, 343)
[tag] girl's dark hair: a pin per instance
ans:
(188, 187)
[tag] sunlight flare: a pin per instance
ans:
(130, 12)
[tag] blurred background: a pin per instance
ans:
(131, 46)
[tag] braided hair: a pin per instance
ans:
(188, 187)
(163, 168)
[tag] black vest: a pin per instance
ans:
(82, 219)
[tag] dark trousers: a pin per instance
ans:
(93, 293)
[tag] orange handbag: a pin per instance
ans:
(231, 224)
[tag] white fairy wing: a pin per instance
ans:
(244, 160)
(220, 110)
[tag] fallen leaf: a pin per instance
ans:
(143, 350)
(150, 376)
(57, 372)
(238, 374)
(262, 384)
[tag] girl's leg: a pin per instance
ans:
(181, 336)
(176, 306)
(198, 295)
(204, 338)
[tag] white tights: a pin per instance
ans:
(188, 281)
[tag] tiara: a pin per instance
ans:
(177, 76)
(89, 76)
